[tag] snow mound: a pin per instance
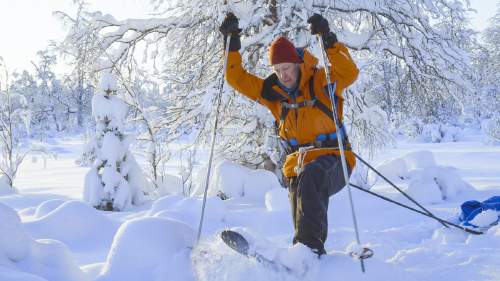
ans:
(277, 200)
(426, 181)
(188, 209)
(235, 181)
(150, 249)
(53, 260)
(27, 259)
(434, 185)
(424, 189)
(395, 170)
(14, 242)
(74, 223)
(47, 207)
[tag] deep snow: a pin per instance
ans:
(48, 233)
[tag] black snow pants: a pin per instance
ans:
(309, 193)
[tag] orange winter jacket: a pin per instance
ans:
(304, 123)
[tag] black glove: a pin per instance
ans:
(319, 25)
(230, 27)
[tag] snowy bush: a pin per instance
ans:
(486, 63)
(434, 185)
(115, 181)
(440, 133)
(424, 189)
(491, 127)
(15, 120)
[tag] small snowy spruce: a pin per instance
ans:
(115, 180)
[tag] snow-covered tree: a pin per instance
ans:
(14, 124)
(115, 180)
(44, 105)
(83, 48)
(487, 64)
(149, 110)
(80, 49)
(416, 42)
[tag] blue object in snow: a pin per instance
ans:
(470, 209)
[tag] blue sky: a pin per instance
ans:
(28, 25)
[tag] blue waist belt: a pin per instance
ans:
(319, 139)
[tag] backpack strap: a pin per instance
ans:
(318, 104)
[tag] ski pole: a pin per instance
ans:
(398, 189)
(472, 231)
(331, 92)
(214, 132)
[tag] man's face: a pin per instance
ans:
(288, 73)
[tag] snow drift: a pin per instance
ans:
(23, 258)
(151, 248)
(75, 223)
(425, 181)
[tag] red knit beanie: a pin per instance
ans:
(282, 50)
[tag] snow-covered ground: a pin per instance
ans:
(48, 233)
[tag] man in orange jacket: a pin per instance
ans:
(297, 96)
